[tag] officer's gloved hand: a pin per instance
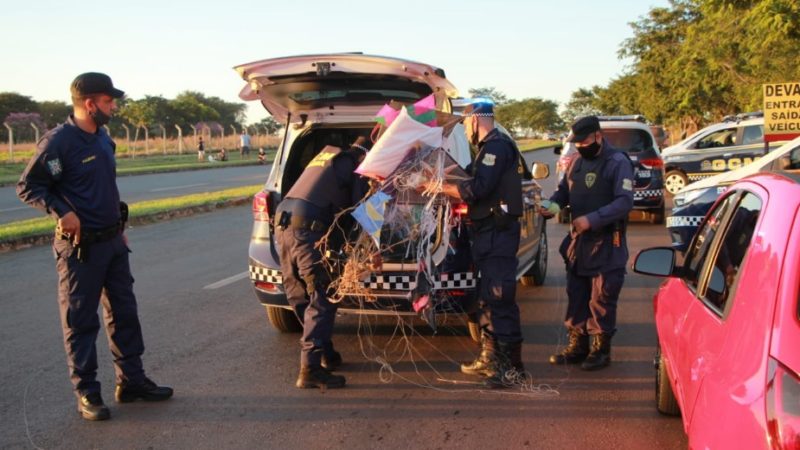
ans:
(549, 209)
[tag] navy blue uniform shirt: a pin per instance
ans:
(73, 170)
(620, 171)
(496, 156)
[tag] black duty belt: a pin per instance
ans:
(94, 236)
(286, 219)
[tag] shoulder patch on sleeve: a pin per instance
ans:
(489, 159)
(627, 184)
(54, 166)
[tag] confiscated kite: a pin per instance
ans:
(370, 215)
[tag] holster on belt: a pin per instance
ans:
(286, 219)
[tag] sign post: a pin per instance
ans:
(781, 112)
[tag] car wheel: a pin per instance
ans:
(674, 181)
(474, 330)
(538, 272)
(666, 403)
(283, 320)
(657, 216)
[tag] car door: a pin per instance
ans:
(680, 318)
(721, 337)
(748, 147)
(531, 223)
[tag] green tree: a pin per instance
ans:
(12, 102)
(498, 97)
(270, 124)
(582, 102)
(533, 114)
(54, 113)
(189, 109)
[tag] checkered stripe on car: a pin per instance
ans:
(459, 280)
(684, 221)
(265, 274)
(648, 193)
(390, 282)
(698, 176)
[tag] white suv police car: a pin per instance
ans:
(331, 100)
(733, 143)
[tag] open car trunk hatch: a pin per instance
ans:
(340, 86)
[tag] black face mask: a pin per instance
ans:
(589, 151)
(99, 117)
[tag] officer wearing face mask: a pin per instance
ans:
(494, 197)
(598, 187)
(72, 177)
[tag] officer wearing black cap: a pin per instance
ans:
(72, 177)
(494, 197)
(598, 187)
(327, 186)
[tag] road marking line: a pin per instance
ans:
(179, 187)
(14, 209)
(229, 280)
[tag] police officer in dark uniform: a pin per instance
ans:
(72, 177)
(327, 186)
(494, 197)
(598, 188)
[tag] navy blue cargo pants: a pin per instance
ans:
(306, 281)
(104, 275)
(494, 252)
(592, 307)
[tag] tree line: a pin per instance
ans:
(187, 109)
(696, 61)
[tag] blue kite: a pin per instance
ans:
(370, 215)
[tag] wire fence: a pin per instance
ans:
(137, 142)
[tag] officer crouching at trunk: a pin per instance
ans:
(327, 186)
(598, 188)
(72, 177)
(494, 197)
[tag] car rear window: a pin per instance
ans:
(629, 140)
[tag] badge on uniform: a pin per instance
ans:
(591, 177)
(55, 166)
(627, 184)
(489, 159)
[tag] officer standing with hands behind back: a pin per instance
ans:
(494, 197)
(598, 187)
(72, 177)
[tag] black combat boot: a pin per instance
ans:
(497, 374)
(575, 352)
(482, 364)
(146, 390)
(318, 377)
(514, 352)
(91, 407)
(600, 356)
(331, 359)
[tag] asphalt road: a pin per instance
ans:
(207, 336)
(148, 187)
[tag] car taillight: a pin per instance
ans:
(265, 286)
(460, 209)
(652, 163)
(783, 406)
(260, 208)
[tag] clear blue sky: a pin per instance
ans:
(534, 48)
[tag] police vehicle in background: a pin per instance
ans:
(632, 135)
(733, 143)
(693, 202)
(331, 100)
